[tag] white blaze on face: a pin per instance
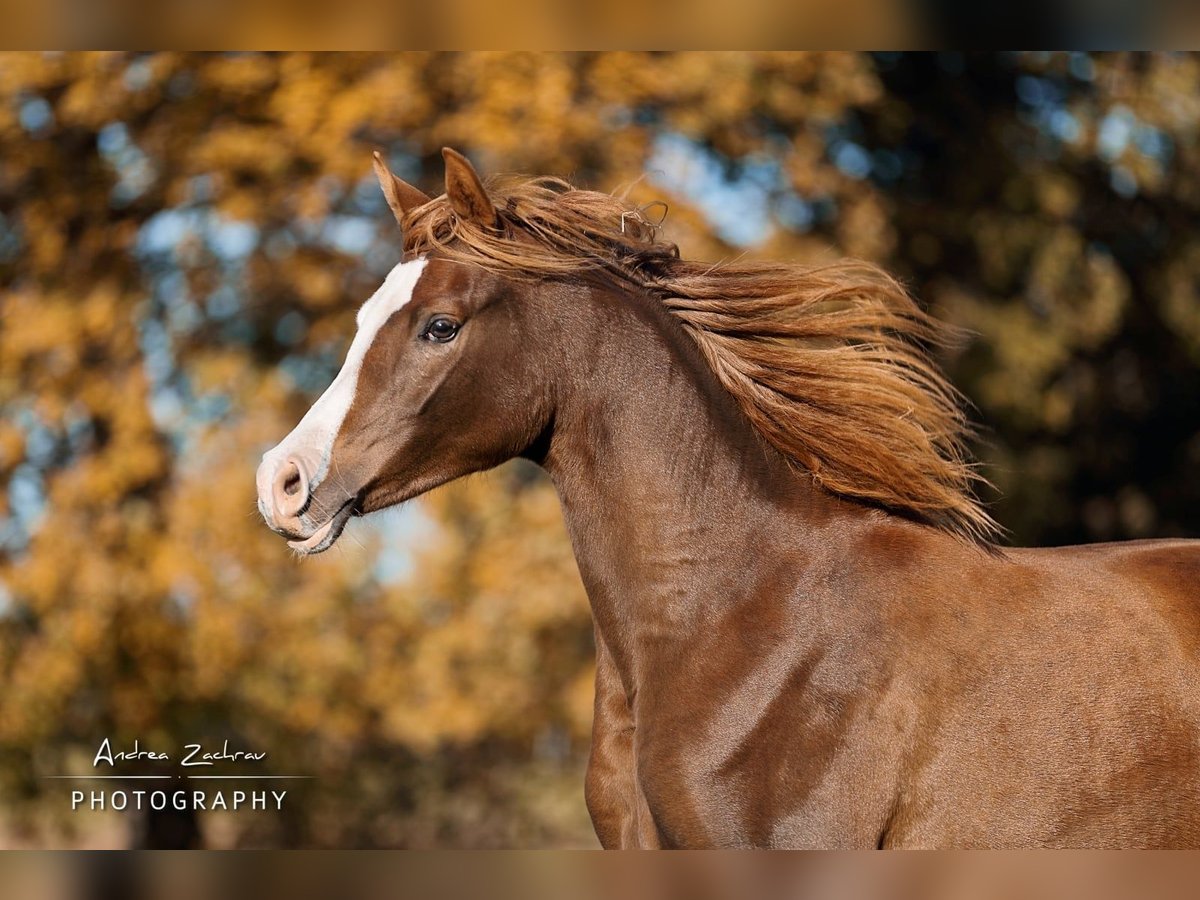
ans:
(312, 440)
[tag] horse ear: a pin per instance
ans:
(401, 196)
(465, 191)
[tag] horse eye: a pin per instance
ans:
(440, 330)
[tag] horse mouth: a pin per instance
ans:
(325, 536)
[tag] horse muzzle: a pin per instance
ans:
(286, 499)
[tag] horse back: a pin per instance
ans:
(1161, 577)
(1061, 694)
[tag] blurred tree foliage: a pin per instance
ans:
(183, 242)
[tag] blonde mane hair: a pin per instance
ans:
(831, 364)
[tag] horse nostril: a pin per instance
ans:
(292, 484)
(290, 488)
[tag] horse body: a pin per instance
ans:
(1058, 713)
(778, 663)
(793, 669)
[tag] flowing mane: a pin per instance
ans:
(831, 364)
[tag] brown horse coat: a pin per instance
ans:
(804, 635)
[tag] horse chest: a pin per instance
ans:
(781, 778)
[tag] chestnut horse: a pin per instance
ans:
(806, 632)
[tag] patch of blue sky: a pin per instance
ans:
(239, 331)
(136, 179)
(27, 505)
(211, 407)
(170, 287)
(1153, 143)
(382, 257)
(402, 531)
(155, 343)
(851, 159)
(112, 141)
(352, 235)
(138, 75)
(311, 373)
(1115, 132)
(1036, 91)
(35, 115)
(223, 303)
(45, 447)
(736, 200)
(403, 158)
(280, 244)
(1123, 181)
(25, 490)
(13, 539)
(172, 311)
(1044, 105)
(184, 317)
(1063, 125)
(795, 213)
(291, 328)
(165, 230)
(41, 442)
(231, 239)
(200, 188)
(134, 169)
(307, 231)
(167, 410)
(366, 196)
(1081, 67)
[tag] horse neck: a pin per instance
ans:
(673, 502)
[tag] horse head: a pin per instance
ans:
(438, 382)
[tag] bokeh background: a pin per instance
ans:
(184, 240)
